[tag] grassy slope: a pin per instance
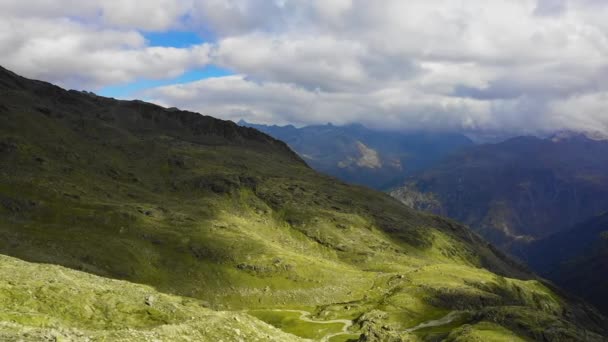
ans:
(52, 303)
(482, 332)
(197, 207)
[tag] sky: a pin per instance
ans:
(492, 66)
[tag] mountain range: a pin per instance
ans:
(516, 191)
(126, 221)
(359, 155)
(538, 199)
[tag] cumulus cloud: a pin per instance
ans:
(90, 44)
(399, 107)
(518, 66)
(129, 14)
(521, 66)
(311, 62)
(550, 7)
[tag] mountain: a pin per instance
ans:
(359, 155)
(576, 259)
(134, 222)
(519, 190)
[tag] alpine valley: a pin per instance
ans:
(126, 221)
(542, 200)
(519, 190)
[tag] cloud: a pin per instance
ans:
(149, 15)
(401, 107)
(310, 62)
(517, 66)
(550, 7)
(85, 44)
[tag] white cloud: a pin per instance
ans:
(312, 62)
(511, 65)
(586, 112)
(125, 14)
(401, 107)
(87, 44)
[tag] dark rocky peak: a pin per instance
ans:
(10, 80)
(136, 116)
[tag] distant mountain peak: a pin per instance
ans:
(360, 155)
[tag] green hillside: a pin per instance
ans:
(52, 303)
(234, 221)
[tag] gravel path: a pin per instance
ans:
(447, 319)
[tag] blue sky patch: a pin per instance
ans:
(176, 39)
(130, 90)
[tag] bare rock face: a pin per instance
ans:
(414, 199)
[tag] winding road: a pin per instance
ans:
(305, 316)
